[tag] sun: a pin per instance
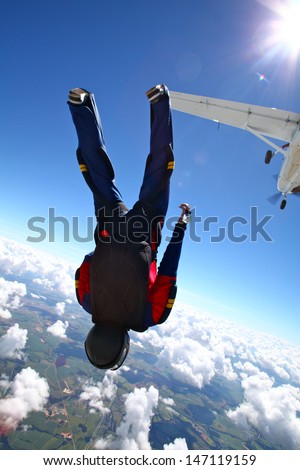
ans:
(282, 33)
(289, 30)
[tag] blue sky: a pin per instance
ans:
(118, 50)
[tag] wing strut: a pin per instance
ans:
(267, 141)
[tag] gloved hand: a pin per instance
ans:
(185, 216)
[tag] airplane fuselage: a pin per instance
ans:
(289, 177)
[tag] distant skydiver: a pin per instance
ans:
(118, 283)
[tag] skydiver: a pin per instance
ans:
(118, 283)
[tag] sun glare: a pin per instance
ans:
(281, 35)
(289, 30)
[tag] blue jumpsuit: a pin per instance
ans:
(149, 210)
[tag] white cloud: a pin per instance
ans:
(10, 296)
(27, 392)
(25, 427)
(58, 329)
(137, 343)
(5, 314)
(12, 343)
(4, 382)
(168, 401)
(189, 360)
(283, 361)
(99, 395)
(51, 272)
(37, 296)
(133, 431)
(178, 444)
(271, 410)
(34, 296)
(60, 308)
(195, 347)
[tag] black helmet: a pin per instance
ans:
(107, 345)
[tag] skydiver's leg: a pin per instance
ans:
(92, 157)
(160, 162)
(155, 189)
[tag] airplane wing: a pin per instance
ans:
(270, 122)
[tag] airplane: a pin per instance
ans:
(263, 122)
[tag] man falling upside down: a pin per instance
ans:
(119, 284)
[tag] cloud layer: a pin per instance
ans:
(191, 346)
(195, 347)
(272, 410)
(52, 273)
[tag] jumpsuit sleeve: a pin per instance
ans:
(170, 261)
(82, 283)
(163, 292)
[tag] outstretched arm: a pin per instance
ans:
(170, 261)
(163, 291)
